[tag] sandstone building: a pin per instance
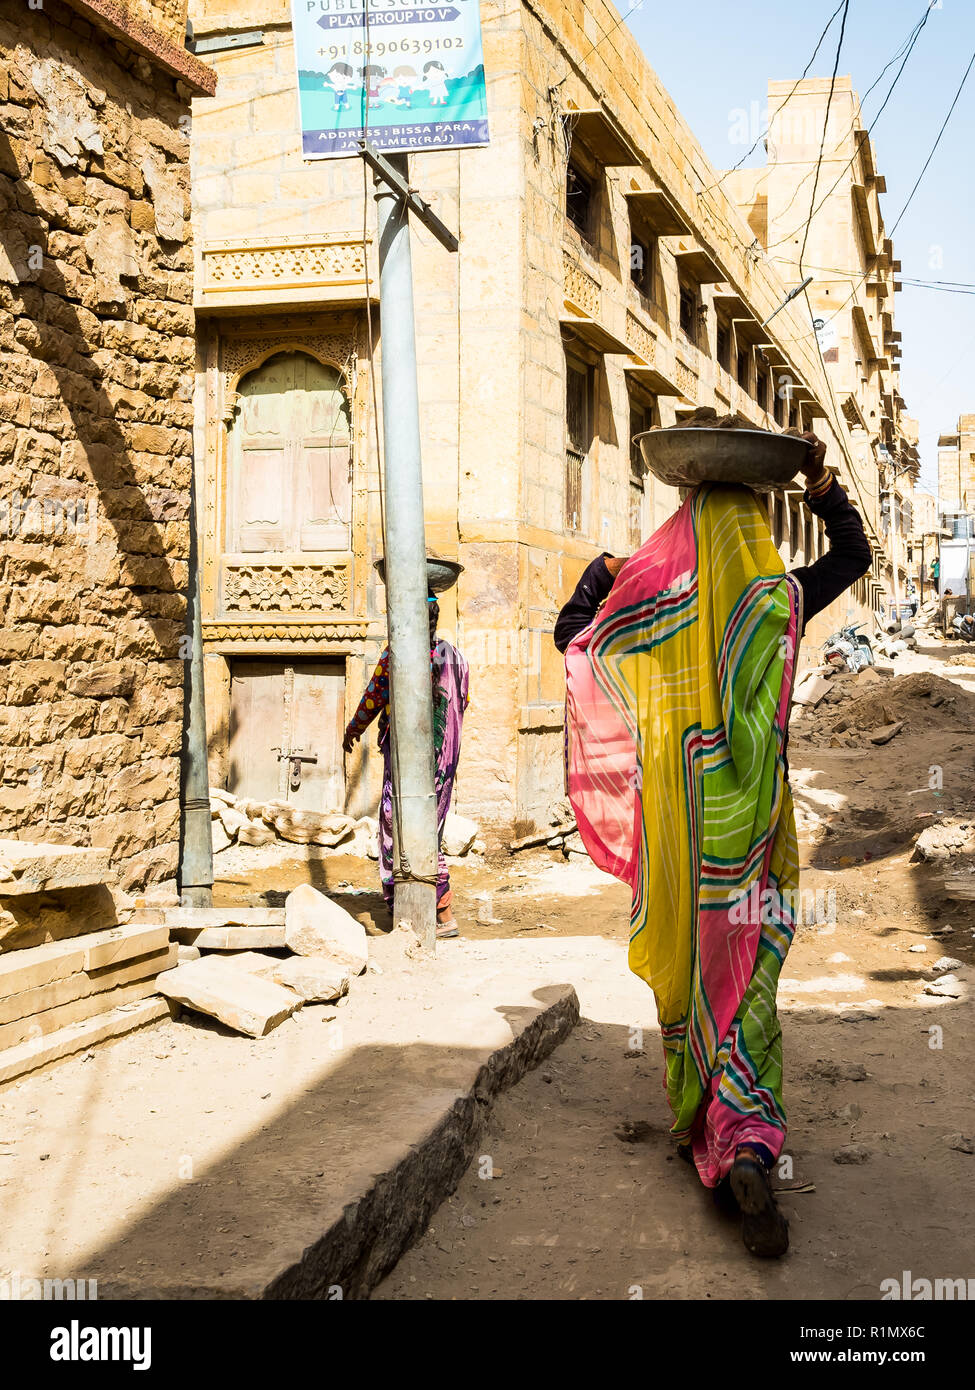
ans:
(854, 270)
(606, 281)
(956, 468)
(96, 381)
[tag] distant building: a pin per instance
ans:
(606, 282)
(956, 468)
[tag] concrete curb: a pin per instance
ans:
(360, 1249)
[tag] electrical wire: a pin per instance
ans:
(751, 149)
(822, 143)
(917, 182)
(909, 43)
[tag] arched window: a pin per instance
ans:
(289, 484)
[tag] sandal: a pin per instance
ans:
(446, 928)
(764, 1230)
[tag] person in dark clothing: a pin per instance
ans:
(848, 558)
(677, 712)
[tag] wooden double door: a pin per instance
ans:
(286, 726)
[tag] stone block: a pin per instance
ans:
(84, 984)
(315, 979)
(316, 926)
(230, 938)
(27, 867)
(233, 996)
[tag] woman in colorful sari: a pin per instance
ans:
(449, 674)
(677, 715)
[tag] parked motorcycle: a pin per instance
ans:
(963, 626)
(849, 649)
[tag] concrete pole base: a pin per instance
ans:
(416, 905)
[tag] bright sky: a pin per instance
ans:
(716, 56)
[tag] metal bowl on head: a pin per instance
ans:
(685, 457)
(441, 574)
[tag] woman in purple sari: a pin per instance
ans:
(449, 674)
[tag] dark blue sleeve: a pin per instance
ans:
(848, 558)
(588, 594)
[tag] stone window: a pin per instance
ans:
(688, 312)
(761, 389)
(580, 199)
(741, 368)
(723, 346)
(578, 439)
(642, 418)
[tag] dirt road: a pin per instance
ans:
(578, 1194)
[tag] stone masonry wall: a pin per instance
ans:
(96, 364)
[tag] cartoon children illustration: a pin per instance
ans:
(388, 89)
(340, 77)
(435, 81)
(406, 78)
(371, 75)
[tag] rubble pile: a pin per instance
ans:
(251, 968)
(237, 820)
(869, 708)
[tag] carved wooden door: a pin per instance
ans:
(289, 489)
(286, 723)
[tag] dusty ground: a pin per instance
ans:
(560, 1205)
(578, 1212)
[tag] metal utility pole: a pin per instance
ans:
(411, 729)
(196, 837)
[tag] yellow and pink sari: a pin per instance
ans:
(677, 708)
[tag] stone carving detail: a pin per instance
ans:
(239, 355)
(580, 288)
(286, 588)
(354, 631)
(264, 263)
(640, 339)
(685, 379)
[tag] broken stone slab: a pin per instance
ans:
(34, 867)
(219, 839)
(947, 963)
(219, 797)
(810, 691)
(316, 926)
(254, 962)
(232, 820)
(947, 987)
(230, 938)
(231, 916)
(459, 833)
(300, 827)
(886, 732)
(315, 979)
(961, 1142)
(234, 997)
(255, 832)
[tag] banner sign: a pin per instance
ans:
(406, 74)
